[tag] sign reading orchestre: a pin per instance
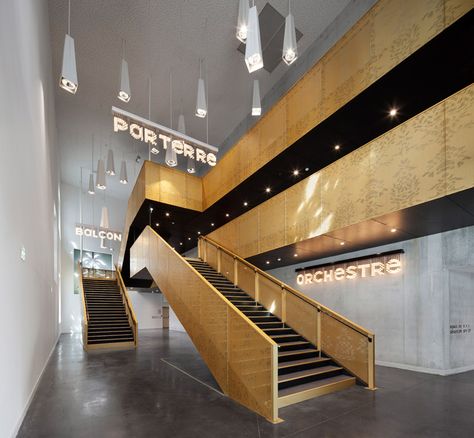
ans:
(350, 270)
(157, 135)
(97, 233)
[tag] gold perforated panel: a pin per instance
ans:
(302, 317)
(239, 355)
(211, 256)
(347, 346)
(246, 278)
(227, 266)
(270, 296)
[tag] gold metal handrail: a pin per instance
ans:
(130, 312)
(369, 376)
(85, 313)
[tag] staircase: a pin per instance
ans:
(303, 371)
(108, 325)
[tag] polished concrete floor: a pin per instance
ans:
(163, 389)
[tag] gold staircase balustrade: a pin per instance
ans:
(347, 343)
(242, 358)
(132, 319)
(85, 313)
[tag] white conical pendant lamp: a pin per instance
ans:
(110, 170)
(170, 157)
(242, 20)
(124, 93)
(68, 80)
(253, 48)
(256, 104)
(191, 165)
(201, 104)
(181, 124)
(290, 48)
(123, 173)
(91, 190)
(100, 181)
(104, 218)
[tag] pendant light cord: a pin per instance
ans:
(171, 99)
(149, 113)
(69, 18)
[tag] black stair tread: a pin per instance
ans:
(109, 335)
(312, 385)
(311, 360)
(307, 373)
(296, 352)
(291, 343)
(293, 335)
(96, 330)
(108, 341)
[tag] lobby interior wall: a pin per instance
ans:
(30, 211)
(148, 308)
(412, 313)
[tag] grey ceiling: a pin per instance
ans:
(161, 37)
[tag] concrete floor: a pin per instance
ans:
(163, 389)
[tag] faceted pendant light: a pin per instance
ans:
(110, 163)
(91, 190)
(242, 20)
(256, 105)
(100, 181)
(253, 48)
(104, 218)
(201, 105)
(170, 157)
(124, 92)
(191, 165)
(290, 49)
(181, 125)
(123, 173)
(68, 80)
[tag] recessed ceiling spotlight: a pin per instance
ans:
(227, 215)
(306, 169)
(296, 172)
(212, 224)
(337, 147)
(268, 190)
(189, 238)
(157, 224)
(246, 203)
(167, 214)
(393, 230)
(172, 223)
(279, 259)
(295, 255)
(393, 112)
(181, 243)
(151, 209)
(267, 262)
(199, 232)
(342, 243)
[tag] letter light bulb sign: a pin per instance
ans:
(378, 265)
(157, 136)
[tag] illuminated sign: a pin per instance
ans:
(370, 266)
(157, 135)
(98, 233)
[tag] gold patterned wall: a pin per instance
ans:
(425, 158)
(390, 32)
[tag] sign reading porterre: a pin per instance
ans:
(350, 270)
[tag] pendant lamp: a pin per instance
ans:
(290, 49)
(110, 170)
(100, 181)
(123, 173)
(181, 124)
(256, 104)
(91, 190)
(201, 105)
(104, 218)
(170, 157)
(191, 165)
(253, 48)
(124, 93)
(242, 21)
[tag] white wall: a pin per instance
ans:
(410, 312)
(148, 308)
(29, 196)
(91, 207)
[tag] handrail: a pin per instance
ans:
(128, 305)
(362, 365)
(85, 313)
(221, 297)
(288, 288)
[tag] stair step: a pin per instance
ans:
(268, 325)
(249, 308)
(318, 371)
(297, 354)
(257, 313)
(109, 335)
(109, 341)
(309, 390)
(270, 318)
(286, 337)
(294, 344)
(310, 362)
